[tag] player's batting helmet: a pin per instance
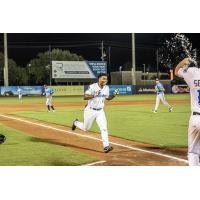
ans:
(2, 138)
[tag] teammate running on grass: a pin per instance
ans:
(49, 93)
(96, 95)
(20, 93)
(160, 97)
(191, 76)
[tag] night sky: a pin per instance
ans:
(22, 47)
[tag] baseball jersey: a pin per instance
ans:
(100, 95)
(159, 88)
(48, 92)
(19, 91)
(192, 78)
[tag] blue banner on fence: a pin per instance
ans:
(123, 89)
(150, 89)
(25, 90)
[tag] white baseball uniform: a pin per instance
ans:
(192, 78)
(49, 100)
(20, 93)
(94, 110)
(160, 96)
(49, 92)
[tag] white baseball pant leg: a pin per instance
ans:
(102, 123)
(49, 101)
(89, 117)
(20, 96)
(194, 140)
(161, 97)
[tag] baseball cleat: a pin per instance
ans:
(107, 149)
(170, 109)
(73, 125)
(154, 111)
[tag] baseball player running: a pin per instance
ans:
(49, 93)
(160, 96)
(96, 95)
(20, 93)
(191, 76)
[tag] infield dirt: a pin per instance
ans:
(121, 155)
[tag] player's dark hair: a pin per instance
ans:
(102, 74)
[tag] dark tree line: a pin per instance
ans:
(37, 71)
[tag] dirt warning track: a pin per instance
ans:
(125, 152)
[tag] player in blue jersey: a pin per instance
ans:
(20, 93)
(159, 89)
(49, 93)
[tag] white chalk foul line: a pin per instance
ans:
(97, 139)
(95, 163)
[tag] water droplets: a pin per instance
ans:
(175, 49)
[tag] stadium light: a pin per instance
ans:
(133, 59)
(103, 54)
(5, 60)
(29, 76)
(50, 73)
(157, 62)
(144, 72)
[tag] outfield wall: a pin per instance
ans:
(79, 90)
(68, 90)
(39, 90)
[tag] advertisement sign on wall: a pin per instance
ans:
(150, 89)
(77, 69)
(67, 90)
(123, 89)
(180, 89)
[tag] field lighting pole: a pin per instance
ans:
(133, 60)
(144, 73)
(5, 60)
(102, 53)
(50, 80)
(109, 56)
(157, 63)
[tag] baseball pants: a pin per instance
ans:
(194, 140)
(49, 101)
(20, 96)
(161, 97)
(89, 116)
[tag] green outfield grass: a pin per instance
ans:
(76, 99)
(22, 150)
(133, 122)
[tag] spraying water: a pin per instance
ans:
(176, 49)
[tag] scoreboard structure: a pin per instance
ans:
(77, 71)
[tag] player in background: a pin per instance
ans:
(159, 89)
(191, 75)
(20, 94)
(96, 95)
(49, 93)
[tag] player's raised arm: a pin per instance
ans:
(184, 62)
